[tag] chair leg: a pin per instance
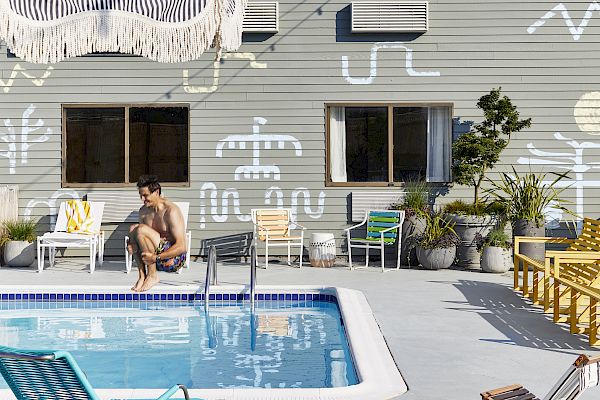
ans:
(40, 256)
(52, 255)
(289, 260)
(301, 252)
(266, 253)
(398, 254)
(382, 258)
(367, 257)
(350, 255)
(93, 245)
(101, 249)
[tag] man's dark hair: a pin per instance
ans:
(149, 181)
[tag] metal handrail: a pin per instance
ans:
(252, 275)
(211, 272)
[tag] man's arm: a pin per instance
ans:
(176, 225)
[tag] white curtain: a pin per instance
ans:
(438, 144)
(337, 144)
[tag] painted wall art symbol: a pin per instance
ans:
(373, 67)
(14, 139)
(217, 72)
(255, 171)
(228, 203)
(52, 203)
(18, 69)
(573, 159)
(576, 31)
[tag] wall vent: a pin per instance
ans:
(261, 16)
(390, 16)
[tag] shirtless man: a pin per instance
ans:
(158, 242)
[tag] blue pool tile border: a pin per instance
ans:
(164, 297)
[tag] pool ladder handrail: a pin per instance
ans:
(252, 275)
(211, 272)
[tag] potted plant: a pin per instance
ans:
(19, 250)
(495, 249)
(526, 199)
(436, 247)
(415, 205)
(474, 154)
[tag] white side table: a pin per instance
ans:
(321, 251)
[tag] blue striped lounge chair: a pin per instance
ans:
(51, 375)
(383, 230)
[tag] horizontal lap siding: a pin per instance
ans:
(474, 45)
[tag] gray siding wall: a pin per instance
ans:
(550, 73)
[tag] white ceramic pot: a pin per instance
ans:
(496, 259)
(321, 250)
(438, 258)
(19, 253)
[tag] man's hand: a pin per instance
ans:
(148, 258)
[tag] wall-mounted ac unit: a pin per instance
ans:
(261, 16)
(390, 16)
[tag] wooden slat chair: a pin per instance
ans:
(383, 229)
(35, 374)
(273, 226)
(583, 374)
(586, 246)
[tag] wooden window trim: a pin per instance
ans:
(390, 107)
(126, 107)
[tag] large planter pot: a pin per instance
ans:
(19, 254)
(496, 259)
(528, 228)
(466, 227)
(438, 258)
(412, 227)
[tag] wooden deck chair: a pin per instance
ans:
(583, 374)
(184, 206)
(383, 229)
(35, 374)
(274, 227)
(61, 238)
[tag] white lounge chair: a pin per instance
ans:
(273, 226)
(185, 208)
(61, 238)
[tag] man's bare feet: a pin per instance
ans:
(150, 281)
(138, 285)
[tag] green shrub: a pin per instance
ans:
(416, 199)
(439, 233)
(496, 238)
(480, 209)
(20, 230)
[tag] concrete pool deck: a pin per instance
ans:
(452, 333)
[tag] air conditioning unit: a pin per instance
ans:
(390, 16)
(261, 16)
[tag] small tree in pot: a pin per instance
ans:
(526, 198)
(436, 247)
(474, 154)
(17, 240)
(416, 207)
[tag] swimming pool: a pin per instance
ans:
(298, 343)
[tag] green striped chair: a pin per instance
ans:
(51, 375)
(383, 229)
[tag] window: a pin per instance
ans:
(384, 144)
(113, 145)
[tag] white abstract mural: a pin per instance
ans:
(576, 31)
(373, 64)
(19, 70)
(51, 203)
(221, 205)
(19, 136)
(188, 88)
(575, 158)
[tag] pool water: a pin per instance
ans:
(152, 344)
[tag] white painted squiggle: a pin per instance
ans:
(51, 203)
(255, 171)
(214, 206)
(18, 69)
(373, 70)
(216, 73)
(11, 138)
(269, 193)
(304, 192)
(576, 32)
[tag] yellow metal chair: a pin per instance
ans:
(273, 226)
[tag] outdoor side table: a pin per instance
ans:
(321, 251)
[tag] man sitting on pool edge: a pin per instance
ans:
(158, 242)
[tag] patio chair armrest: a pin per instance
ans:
(573, 255)
(174, 389)
(391, 228)
(542, 239)
(355, 226)
(301, 226)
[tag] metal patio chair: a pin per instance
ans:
(55, 375)
(383, 229)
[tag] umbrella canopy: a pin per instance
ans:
(48, 31)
